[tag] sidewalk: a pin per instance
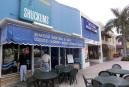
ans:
(92, 72)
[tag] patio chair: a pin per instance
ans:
(35, 82)
(56, 79)
(104, 73)
(95, 83)
(72, 75)
(59, 66)
(108, 85)
(58, 69)
(126, 77)
(116, 66)
(87, 83)
(30, 82)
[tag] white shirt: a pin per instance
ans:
(46, 58)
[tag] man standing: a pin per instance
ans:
(22, 64)
(45, 62)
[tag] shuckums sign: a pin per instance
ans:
(36, 11)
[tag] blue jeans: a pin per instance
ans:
(45, 67)
(23, 71)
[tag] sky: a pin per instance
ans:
(97, 10)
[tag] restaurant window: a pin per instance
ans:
(10, 58)
(37, 56)
(69, 53)
(76, 55)
(11, 54)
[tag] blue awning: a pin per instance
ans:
(12, 33)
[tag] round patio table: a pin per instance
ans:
(121, 72)
(117, 81)
(46, 77)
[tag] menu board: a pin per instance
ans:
(70, 58)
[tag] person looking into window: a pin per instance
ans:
(45, 61)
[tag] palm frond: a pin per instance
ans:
(116, 12)
(119, 36)
(126, 10)
(109, 25)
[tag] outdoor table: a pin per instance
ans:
(121, 72)
(46, 77)
(117, 81)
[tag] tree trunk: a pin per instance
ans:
(124, 43)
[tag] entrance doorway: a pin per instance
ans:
(62, 56)
(93, 52)
(54, 57)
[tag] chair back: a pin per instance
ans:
(58, 67)
(126, 77)
(116, 66)
(85, 81)
(74, 71)
(104, 73)
(108, 85)
(95, 83)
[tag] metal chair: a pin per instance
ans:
(87, 83)
(72, 75)
(108, 85)
(96, 83)
(104, 73)
(60, 73)
(58, 67)
(32, 80)
(126, 77)
(116, 66)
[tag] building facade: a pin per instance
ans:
(31, 26)
(91, 33)
(108, 43)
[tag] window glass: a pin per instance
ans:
(37, 56)
(10, 58)
(76, 55)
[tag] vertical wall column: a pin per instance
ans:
(100, 50)
(81, 56)
(59, 56)
(50, 56)
(65, 55)
(101, 54)
(85, 60)
(32, 62)
(1, 59)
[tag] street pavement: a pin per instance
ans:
(92, 71)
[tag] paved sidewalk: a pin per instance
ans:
(93, 71)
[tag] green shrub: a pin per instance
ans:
(125, 58)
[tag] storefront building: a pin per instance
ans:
(93, 49)
(20, 35)
(108, 45)
(67, 19)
